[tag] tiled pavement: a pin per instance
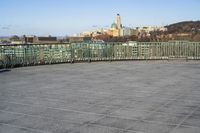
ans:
(117, 97)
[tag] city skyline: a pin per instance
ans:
(68, 17)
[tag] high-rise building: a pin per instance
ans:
(116, 27)
(118, 21)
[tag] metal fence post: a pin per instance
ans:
(72, 54)
(89, 53)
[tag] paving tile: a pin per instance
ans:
(165, 118)
(94, 129)
(148, 127)
(48, 125)
(145, 105)
(101, 109)
(7, 117)
(115, 122)
(11, 129)
(184, 129)
(193, 120)
(135, 125)
(131, 113)
(179, 110)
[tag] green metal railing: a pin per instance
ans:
(38, 54)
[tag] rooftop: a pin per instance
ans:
(116, 97)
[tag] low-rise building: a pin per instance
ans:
(17, 42)
(148, 29)
(30, 39)
(48, 39)
(86, 34)
(79, 39)
(41, 39)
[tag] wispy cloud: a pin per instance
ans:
(6, 27)
(95, 26)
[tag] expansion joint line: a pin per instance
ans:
(186, 117)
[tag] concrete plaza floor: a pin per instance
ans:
(102, 97)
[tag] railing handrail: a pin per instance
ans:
(32, 54)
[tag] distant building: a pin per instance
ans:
(116, 27)
(48, 39)
(127, 31)
(86, 34)
(116, 30)
(148, 29)
(79, 39)
(16, 40)
(134, 32)
(4, 40)
(34, 39)
(30, 39)
(109, 32)
(92, 33)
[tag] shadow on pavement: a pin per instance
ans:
(4, 70)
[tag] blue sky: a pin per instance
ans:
(65, 17)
